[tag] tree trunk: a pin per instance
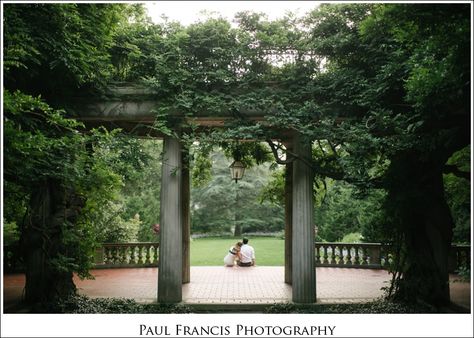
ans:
(237, 222)
(237, 229)
(42, 245)
(418, 209)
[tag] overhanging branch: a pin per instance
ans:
(275, 148)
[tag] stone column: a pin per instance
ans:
(288, 220)
(170, 271)
(304, 273)
(185, 205)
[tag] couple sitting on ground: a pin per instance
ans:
(241, 253)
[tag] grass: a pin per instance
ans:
(269, 251)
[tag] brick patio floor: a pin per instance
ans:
(237, 285)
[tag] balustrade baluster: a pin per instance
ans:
(332, 258)
(325, 254)
(121, 254)
(147, 254)
(340, 258)
(341, 255)
(135, 254)
(317, 252)
(108, 256)
(153, 254)
(140, 255)
(115, 255)
(349, 256)
(364, 256)
(131, 254)
(356, 255)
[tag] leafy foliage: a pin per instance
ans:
(378, 306)
(399, 129)
(83, 304)
(67, 44)
(129, 208)
(343, 212)
(382, 91)
(340, 209)
(222, 205)
(51, 176)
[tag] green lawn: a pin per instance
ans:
(211, 251)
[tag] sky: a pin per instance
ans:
(187, 12)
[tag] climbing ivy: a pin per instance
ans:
(381, 91)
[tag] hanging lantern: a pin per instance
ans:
(237, 170)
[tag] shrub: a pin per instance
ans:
(378, 306)
(84, 304)
(353, 237)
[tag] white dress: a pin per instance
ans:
(229, 259)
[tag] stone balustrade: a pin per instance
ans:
(350, 255)
(127, 255)
(327, 254)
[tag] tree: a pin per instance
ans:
(67, 44)
(47, 170)
(458, 196)
(49, 173)
(343, 211)
(221, 206)
(139, 195)
(402, 74)
(380, 90)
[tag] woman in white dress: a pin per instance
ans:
(233, 254)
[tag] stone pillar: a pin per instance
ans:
(99, 256)
(375, 257)
(170, 272)
(304, 273)
(185, 205)
(288, 220)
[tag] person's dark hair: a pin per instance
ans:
(245, 240)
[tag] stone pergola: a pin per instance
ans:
(133, 109)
